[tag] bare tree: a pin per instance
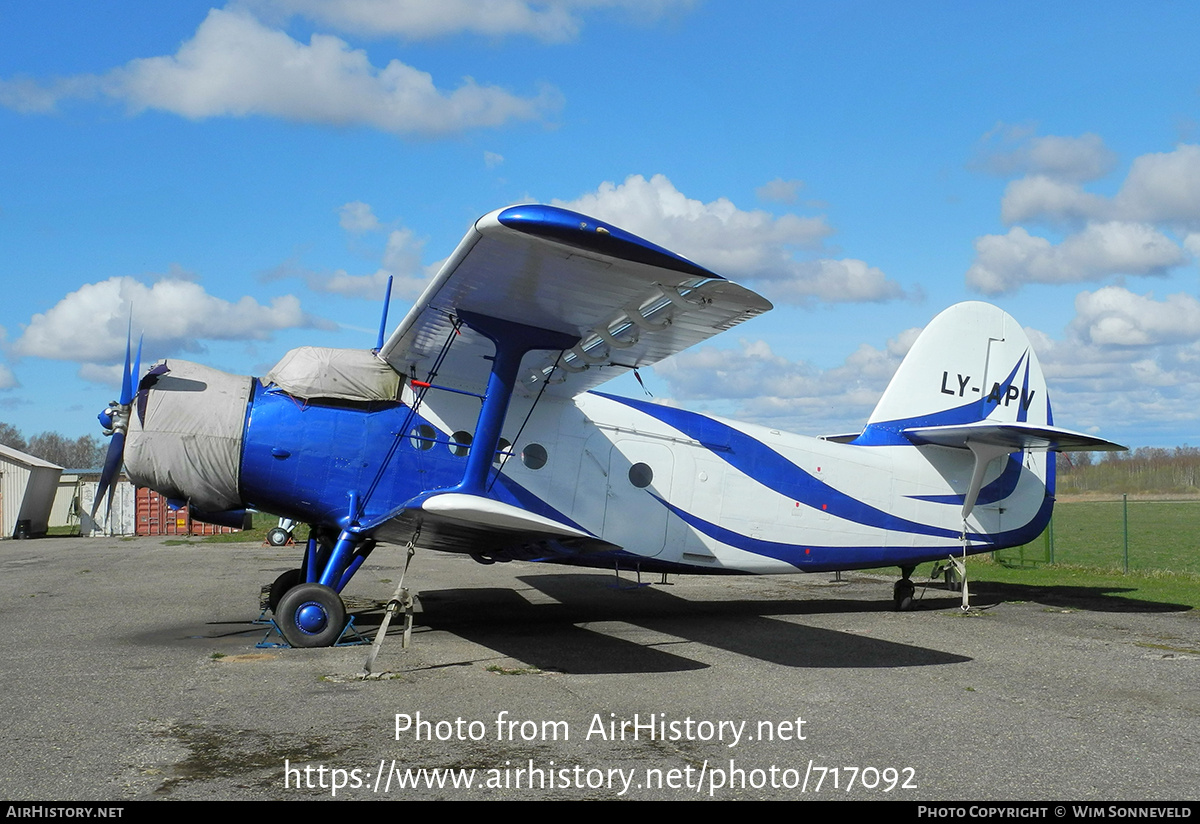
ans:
(86, 452)
(9, 436)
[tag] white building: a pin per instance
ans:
(27, 488)
(121, 520)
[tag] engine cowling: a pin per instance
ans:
(185, 434)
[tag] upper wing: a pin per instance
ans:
(630, 302)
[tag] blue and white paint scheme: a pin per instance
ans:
(474, 428)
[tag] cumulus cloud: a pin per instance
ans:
(30, 96)
(1163, 188)
(1008, 150)
(401, 260)
(1114, 316)
(1003, 263)
(1046, 199)
(106, 375)
(406, 285)
(1097, 388)
(771, 389)
(1126, 360)
(833, 281)
(7, 379)
(235, 66)
(779, 190)
(89, 325)
(548, 20)
(750, 245)
(357, 218)
(1148, 227)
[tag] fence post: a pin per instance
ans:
(1125, 521)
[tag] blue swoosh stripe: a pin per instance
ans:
(756, 460)
(846, 557)
(997, 490)
(888, 433)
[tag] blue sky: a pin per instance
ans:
(248, 174)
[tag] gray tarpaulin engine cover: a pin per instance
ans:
(343, 374)
(188, 445)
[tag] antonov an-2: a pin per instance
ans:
(475, 428)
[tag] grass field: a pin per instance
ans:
(1163, 535)
(1078, 587)
(1087, 543)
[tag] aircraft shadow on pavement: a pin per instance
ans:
(1096, 599)
(556, 636)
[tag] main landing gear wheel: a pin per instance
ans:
(311, 615)
(282, 584)
(278, 536)
(902, 594)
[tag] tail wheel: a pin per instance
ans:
(311, 615)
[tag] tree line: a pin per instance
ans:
(86, 452)
(1148, 469)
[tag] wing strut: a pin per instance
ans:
(513, 340)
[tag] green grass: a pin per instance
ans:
(1076, 586)
(1088, 558)
(1089, 586)
(263, 523)
(1163, 535)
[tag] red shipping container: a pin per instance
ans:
(154, 517)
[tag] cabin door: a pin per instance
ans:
(639, 480)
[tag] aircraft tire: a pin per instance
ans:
(311, 615)
(282, 584)
(902, 594)
(278, 536)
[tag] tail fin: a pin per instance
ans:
(972, 363)
(972, 381)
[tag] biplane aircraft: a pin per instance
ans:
(475, 428)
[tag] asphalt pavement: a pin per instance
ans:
(132, 671)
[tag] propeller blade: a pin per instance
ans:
(137, 368)
(114, 457)
(112, 467)
(126, 381)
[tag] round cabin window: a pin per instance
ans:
(422, 437)
(502, 447)
(640, 475)
(534, 456)
(460, 444)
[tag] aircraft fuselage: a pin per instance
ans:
(673, 489)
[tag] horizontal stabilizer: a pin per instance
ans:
(1014, 436)
(988, 440)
